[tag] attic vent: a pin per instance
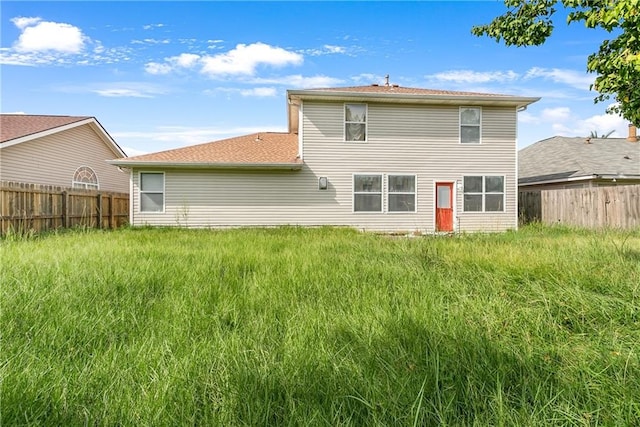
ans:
(375, 85)
(395, 85)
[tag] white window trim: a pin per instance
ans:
(484, 193)
(85, 185)
(164, 194)
(353, 193)
(415, 193)
(344, 122)
(460, 126)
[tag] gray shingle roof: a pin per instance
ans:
(560, 158)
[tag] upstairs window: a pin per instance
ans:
(85, 177)
(483, 193)
(355, 122)
(151, 192)
(470, 118)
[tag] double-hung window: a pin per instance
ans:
(401, 193)
(367, 193)
(355, 122)
(470, 119)
(483, 193)
(151, 192)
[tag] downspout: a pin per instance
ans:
(300, 131)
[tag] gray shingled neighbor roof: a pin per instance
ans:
(562, 158)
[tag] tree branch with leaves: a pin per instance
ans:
(616, 63)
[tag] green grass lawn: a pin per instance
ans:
(296, 326)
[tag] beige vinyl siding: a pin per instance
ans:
(415, 139)
(402, 139)
(53, 159)
(228, 198)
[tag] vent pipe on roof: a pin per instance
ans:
(633, 137)
(386, 78)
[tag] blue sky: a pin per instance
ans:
(161, 75)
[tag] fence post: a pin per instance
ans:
(65, 209)
(112, 223)
(99, 224)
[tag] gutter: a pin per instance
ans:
(557, 181)
(518, 101)
(206, 165)
(579, 178)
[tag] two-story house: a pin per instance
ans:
(385, 158)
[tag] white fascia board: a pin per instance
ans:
(191, 165)
(557, 181)
(516, 101)
(95, 125)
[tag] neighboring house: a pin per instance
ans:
(374, 157)
(563, 162)
(64, 151)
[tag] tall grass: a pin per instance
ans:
(296, 326)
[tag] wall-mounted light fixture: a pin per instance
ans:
(323, 183)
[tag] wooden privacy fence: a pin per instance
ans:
(596, 207)
(33, 207)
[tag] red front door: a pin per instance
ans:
(444, 206)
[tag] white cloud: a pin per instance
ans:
(152, 26)
(602, 124)
(527, 117)
(470, 76)
(38, 36)
(563, 121)
(177, 136)
(327, 49)
(555, 114)
(22, 22)
(156, 68)
(116, 89)
(578, 80)
(259, 92)
(299, 81)
(334, 49)
(368, 78)
(130, 151)
(244, 59)
(122, 92)
(184, 60)
(151, 41)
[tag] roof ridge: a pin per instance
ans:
(257, 147)
(45, 115)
